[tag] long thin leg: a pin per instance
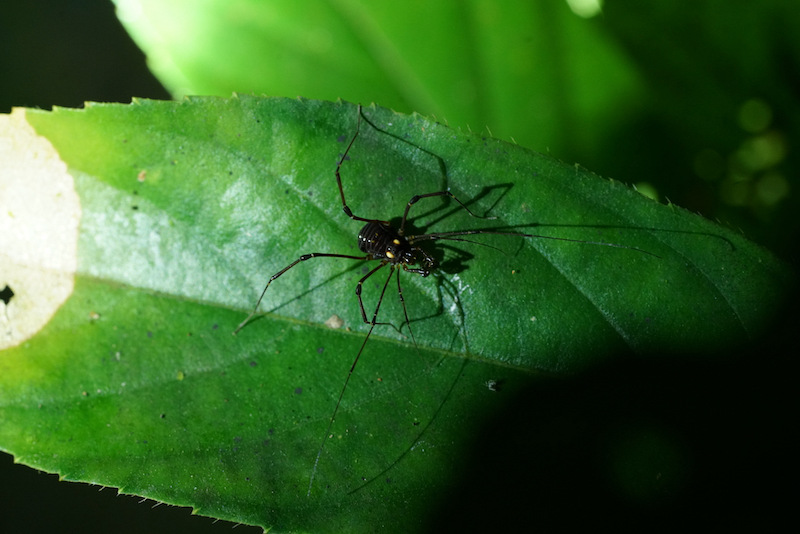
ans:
(345, 207)
(414, 199)
(417, 198)
(349, 374)
(403, 304)
(451, 236)
(304, 257)
(360, 300)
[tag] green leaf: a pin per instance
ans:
(531, 71)
(188, 207)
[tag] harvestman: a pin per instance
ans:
(380, 241)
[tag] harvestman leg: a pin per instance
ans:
(345, 207)
(361, 302)
(353, 366)
(417, 198)
(414, 199)
(304, 257)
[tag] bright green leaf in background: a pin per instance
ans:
(188, 207)
(527, 70)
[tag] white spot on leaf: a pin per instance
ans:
(39, 216)
(334, 321)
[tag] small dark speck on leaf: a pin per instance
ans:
(253, 364)
(298, 391)
(163, 416)
(149, 334)
(320, 350)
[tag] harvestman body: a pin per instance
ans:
(379, 240)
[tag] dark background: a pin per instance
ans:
(66, 53)
(737, 414)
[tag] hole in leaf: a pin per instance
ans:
(6, 295)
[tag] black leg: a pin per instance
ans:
(345, 207)
(352, 368)
(417, 198)
(304, 257)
